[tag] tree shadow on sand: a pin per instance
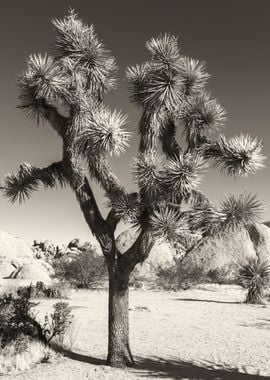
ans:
(260, 324)
(176, 369)
(210, 301)
(78, 357)
(156, 367)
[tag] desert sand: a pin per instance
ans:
(201, 333)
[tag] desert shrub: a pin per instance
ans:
(58, 322)
(41, 290)
(167, 278)
(255, 276)
(86, 270)
(17, 321)
(16, 318)
(182, 276)
(226, 274)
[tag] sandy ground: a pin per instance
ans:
(202, 333)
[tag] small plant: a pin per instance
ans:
(58, 322)
(255, 276)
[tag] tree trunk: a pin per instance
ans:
(119, 354)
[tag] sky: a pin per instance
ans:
(232, 37)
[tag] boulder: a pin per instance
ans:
(223, 252)
(75, 243)
(17, 262)
(231, 249)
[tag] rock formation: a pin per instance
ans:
(17, 262)
(226, 251)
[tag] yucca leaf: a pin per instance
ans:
(168, 224)
(194, 76)
(148, 169)
(183, 173)
(255, 277)
(103, 133)
(238, 156)
(240, 211)
(201, 116)
(19, 186)
(79, 43)
(127, 207)
(164, 50)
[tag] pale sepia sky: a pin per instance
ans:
(233, 37)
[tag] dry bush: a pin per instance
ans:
(86, 270)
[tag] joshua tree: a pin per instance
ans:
(170, 91)
(255, 276)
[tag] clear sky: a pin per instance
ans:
(233, 37)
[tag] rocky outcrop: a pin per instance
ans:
(226, 251)
(48, 251)
(231, 248)
(17, 261)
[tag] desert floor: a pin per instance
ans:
(201, 333)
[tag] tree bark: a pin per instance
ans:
(119, 354)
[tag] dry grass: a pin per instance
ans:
(12, 361)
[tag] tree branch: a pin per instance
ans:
(100, 169)
(167, 137)
(149, 130)
(20, 186)
(138, 252)
(57, 121)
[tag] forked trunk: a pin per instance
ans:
(119, 354)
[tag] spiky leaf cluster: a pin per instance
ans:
(148, 171)
(238, 156)
(235, 212)
(43, 80)
(240, 211)
(201, 116)
(19, 186)
(127, 207)
(194, 76)
(183, 174)
(255, 277)
(167, 224)
(103, 133)
(205, 219)
(164, 51)
(158, 83)
(152, 87)
(79, 43)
